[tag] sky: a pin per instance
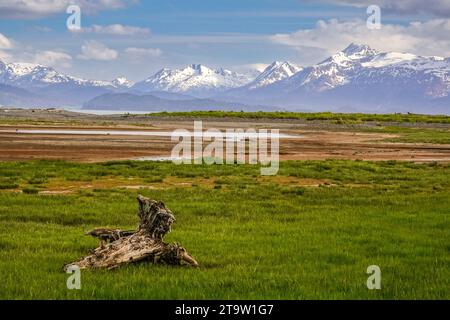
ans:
(136, 38)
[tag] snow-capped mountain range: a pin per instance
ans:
(50, 87)
(27, 75)
(196, 79)
(362, 79)
(361, 65)
(357, 78)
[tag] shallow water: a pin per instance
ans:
(108, 112)
(160, 159)
(184, 133)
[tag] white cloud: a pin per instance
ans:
(4, 56)
(328, 37)
(33, 9)
(52, 58)
(142, 53)
(5, 43)
(115, 29)
(249, 68)
(440, 8)
(94, 50)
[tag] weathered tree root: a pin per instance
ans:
(108, 235)
(144, 245)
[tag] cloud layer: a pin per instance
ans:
(34, 9)
(94, 50)
(142, 53)
(5, 43)
(50, 58)
(439, 8)
(115, 29)
(424, 38)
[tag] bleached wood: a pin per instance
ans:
(145, 245)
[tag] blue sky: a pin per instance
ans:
(137, 38)
(205, 16)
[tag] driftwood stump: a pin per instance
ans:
(144, 245)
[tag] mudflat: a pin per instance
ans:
(36, 134)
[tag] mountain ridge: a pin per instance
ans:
(357, 78)
(196, 79)
(150, 102)
(360, 78)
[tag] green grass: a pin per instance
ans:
(416, 135)
(255, 238)
(339, 118)
(32, 121)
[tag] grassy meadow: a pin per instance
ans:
(308, 233)
(339, 118)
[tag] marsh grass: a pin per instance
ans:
(337, 118)
(255, 238)
(416, 135)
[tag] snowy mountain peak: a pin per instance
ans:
(121, 82)
(286, 66)
(276, 71)
(200, 69)
(353, 53)
(21, 69)
(357, 51)
(28, 74)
